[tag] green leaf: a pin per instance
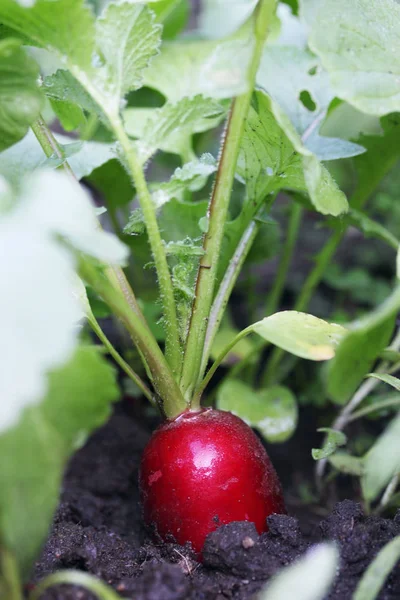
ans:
(382, 154)
(333, 440)
(127, 37)
(34, 452)
(309, 578)
(71, 116)
(377, 572)
(389, 379)
(173, 14)
(382, 461)
(67, 26)
(272, 411)
(220, 18)
(360, 348)
(106, 58)
(301, 334)
(267, 160)
(28, 155)
(62, 86)
(286, 75)
(347, 464)
(192, 176)
(187, 68)
(359, 46)
(171, 126)
(20, 97)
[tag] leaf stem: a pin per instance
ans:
(313, 279)
(173, 347)
(10, 584)
(218, 208)
(73, 577)
(363, 391)
(119, 359)
(164, 382)
(199, 391)
(226, 286)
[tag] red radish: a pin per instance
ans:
(205, 469)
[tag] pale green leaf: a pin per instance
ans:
(28, 155)
(286, 73)
(20, 97)
(382, 461)
(192, 176)
(310, 578)
(219, 18)
(127, 38)
(359, 46)
(292, 30)
(301, 334)
(172, 125)
(389, 379)
(333, 440)
(347, 464)
(377, 572)
(188, 68)
(35, 334)
(356, 354)
(272, 411)
(34, 452)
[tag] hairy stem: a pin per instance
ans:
(162, 376)
(172, 345)
(218, 209)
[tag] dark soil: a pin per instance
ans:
(98, 529)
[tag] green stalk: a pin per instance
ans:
(226, 287)
(163, 379)
(119, 359)
(199, 391)
(275, 296)
(218, 209)
(10, 584)
(73, 577)
(312, 281)
(173, 347)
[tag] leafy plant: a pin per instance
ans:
(192, 206)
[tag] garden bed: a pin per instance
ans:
(98, 529)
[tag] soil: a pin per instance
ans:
(98, 529)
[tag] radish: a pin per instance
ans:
(205, 469)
